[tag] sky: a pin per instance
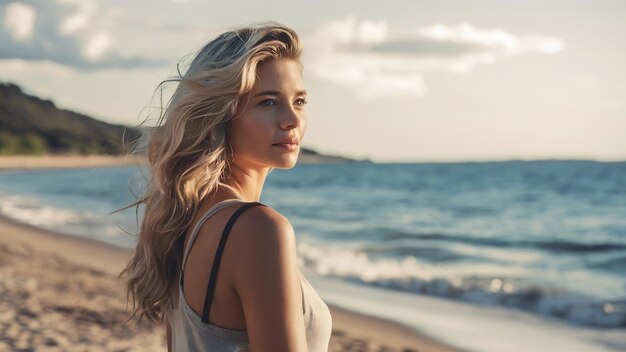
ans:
(392, 81)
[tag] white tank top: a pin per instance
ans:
(190, 332)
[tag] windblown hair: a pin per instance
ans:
(189, 154)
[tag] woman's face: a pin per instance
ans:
(274, 112)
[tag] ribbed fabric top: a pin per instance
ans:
(191, 333)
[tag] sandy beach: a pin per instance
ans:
(26, 162)
(60, 293)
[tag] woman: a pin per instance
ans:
(237, 113)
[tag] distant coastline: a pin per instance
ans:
(28, 162)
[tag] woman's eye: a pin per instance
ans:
(264, 102)
(271, 102)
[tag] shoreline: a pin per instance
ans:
(46, 255)
(51, 161)
(35, 162)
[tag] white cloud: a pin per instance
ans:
(375, 62)
(70, 32)
(383, 83)
(97, 45)
(349, 30)
(17, 69)
(465, 32)
(19, 19)
(85, 11)
(495, 39)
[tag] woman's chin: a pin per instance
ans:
(287, 162)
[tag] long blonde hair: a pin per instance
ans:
(189, 154)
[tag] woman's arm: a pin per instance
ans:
(267, 280)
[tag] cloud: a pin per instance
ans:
(66, 32)
(15, 69)
(97, 46)
(19, 20)
(84, 12)
(494, 39)
(374, 61)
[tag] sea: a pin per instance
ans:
(542, 239)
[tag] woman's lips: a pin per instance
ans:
(287, 146)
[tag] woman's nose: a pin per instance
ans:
(291, 118)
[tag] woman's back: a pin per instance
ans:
(208, 313)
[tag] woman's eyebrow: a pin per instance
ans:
(275, 92)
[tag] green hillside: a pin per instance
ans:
(30, 125)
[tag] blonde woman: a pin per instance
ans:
(213, 264)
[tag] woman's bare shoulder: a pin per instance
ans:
(263, 225)
(264, 216)
(264, 238)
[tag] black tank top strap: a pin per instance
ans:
(218, 256)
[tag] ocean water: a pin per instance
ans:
(544, 237)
